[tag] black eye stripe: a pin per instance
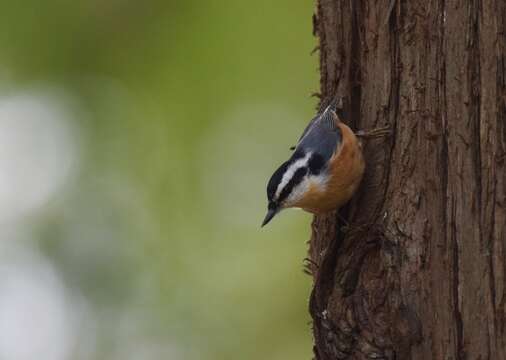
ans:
(316, 163)
(294, 181)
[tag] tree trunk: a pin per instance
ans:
(415, 266)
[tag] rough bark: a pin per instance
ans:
(415, 266)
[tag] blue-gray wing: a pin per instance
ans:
(331, 106)
(322, 135)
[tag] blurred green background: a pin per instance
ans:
(136, 141)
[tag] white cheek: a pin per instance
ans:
(297, 192)
(320, 182)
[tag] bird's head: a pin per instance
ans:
(290, 182)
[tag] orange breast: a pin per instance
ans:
(345, 173)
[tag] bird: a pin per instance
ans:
(324, 171)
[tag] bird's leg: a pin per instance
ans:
(374, 133)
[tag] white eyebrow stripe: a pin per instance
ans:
(290, 172)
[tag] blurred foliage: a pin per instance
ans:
(182, 111)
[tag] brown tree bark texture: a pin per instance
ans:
(418, 269)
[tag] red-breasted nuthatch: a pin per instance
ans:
(323, 172)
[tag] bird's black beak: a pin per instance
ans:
(270, 214)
